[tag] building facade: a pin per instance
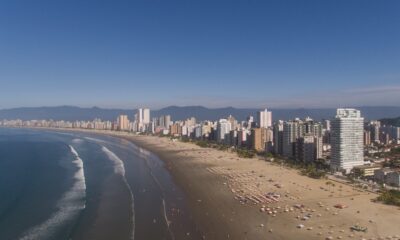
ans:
(123, 123)
(264, 119)
(347, 130)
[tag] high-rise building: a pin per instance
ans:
(278, 137)
(146, 116)
(123, 123)
(308, 126)
(143, 115)
(259, 138)
(375, 131)
(250, 122)
(264, 119)
(223, 129)
(291, 131)
(242, 137)
(139, 115)
(142, 118)
(206, 129)
(175, 129)
(326, 124)
(163, 121)
(367, 137)
(308, 148)
(305, 149)
(232, 121)
(167, 121)
(347, 140)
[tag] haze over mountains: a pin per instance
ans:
(71, 113)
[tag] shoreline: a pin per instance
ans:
(212, 206)
(211, 181)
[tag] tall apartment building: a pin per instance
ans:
(278, 137)
(243, 136)
(260, 138)
(326, 124)
(167, 121)
(297, 136)
(367, 137)
(206, 129)
(175, 129)
(142, 119)
(250, 123)
(123, 123)
(223, 130)
(308, 148)
(264, 119)
(375, 131)
(291, 131)
(143, 115)
(190, 121)
(347, 140)
(163, 121)
(233, 122)
(308, 126)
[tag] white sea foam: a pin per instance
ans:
(77, 140)
(119, 169)
(68, 207)
(95, 139)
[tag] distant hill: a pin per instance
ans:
(71, 113)
(391, 121)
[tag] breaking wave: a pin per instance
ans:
(119, 169)
(95, 139)
(68, 207)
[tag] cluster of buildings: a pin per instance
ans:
(375, 133)
(298, 139)
(141, 122)
(339, 141)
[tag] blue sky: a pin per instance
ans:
(213, 53)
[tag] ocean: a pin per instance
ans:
(63, 185)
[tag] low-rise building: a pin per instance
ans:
(366, 170)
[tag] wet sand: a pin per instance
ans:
(160, 209)
(112, 210)
(217, 213)
(108, 211)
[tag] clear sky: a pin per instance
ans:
(213, 53)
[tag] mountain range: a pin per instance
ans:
(71, 113)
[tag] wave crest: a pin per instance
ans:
(69, 206)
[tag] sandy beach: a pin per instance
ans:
(238, 198)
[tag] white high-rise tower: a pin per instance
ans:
(143, 120)
(347, 130)
(264, 119)
(144, 115)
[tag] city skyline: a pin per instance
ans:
(242, 54)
